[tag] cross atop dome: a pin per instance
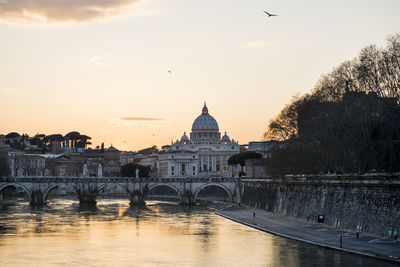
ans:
(205, 109)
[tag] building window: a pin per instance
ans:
(183, 169)
(194, 168)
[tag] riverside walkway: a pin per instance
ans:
(313, 233)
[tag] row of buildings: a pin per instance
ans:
(202, 153)
(74, 164)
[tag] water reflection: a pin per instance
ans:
(160, 234)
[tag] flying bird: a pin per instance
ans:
(169, 71)
(269, 14)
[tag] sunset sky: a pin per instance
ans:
(102, 67)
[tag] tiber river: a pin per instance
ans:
(162, 234)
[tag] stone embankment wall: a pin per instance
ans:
(369, 204)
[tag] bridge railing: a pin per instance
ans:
(66, 179)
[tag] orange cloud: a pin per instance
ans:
(62, 10)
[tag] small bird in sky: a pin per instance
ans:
(269, 14)
(169, 71)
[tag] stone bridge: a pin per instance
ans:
(37, 189)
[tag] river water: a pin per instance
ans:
(162, 234)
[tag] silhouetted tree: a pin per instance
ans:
(4, 168)
(242, 157)
(38, 140)
(284, 126)
(82, 141)
(149, 150)
(73, 137)
(129, 170)
(12, 135)
(348, 123)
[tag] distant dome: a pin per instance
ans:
(225, 138)
(184, 138)
(205, 122)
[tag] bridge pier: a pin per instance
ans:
(87, 200)
(37, 197)
(136, 198)
(37, 194)
(137, 192)
(188, 198)
(87, 193)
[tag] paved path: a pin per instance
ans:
(313, 233)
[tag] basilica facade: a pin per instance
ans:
(201, 154)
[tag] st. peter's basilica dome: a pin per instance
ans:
(205, 122)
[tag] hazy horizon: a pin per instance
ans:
(136, 73)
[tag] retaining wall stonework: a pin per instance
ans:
(365, 204)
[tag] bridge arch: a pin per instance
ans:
(46, 193)
(167, 185)
(16, 185)
(230, 195)
(102, 188)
